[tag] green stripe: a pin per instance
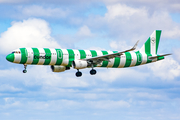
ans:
(148, 60)
(158, 34)
(148, 46)
(160, 58)
(47, 53)
(71, 56)
(36, 52)
(116, 61)
(93, 53)
(128, 59)
(59, 54)
(13, 57)
(82, 54)
(23, 55)
(104, 63)
(139, 58)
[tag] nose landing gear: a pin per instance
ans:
(25, 71)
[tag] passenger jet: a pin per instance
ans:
(63, 59)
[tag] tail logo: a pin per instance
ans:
(153, 40)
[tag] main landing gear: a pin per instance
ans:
(93, 72)
(25, 71)
(79, 74)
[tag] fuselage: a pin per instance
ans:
(64, 57)
(61, 60)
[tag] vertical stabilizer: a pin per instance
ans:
(151, 45)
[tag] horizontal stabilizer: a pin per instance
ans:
(154, 57)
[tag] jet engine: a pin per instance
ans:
(56, 68)
(80, 64)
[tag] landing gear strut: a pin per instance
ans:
(93, 71)
(78, 73)
(25, 71)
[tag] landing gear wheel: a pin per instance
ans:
(93, 72)
(24, 71)
(78, 74)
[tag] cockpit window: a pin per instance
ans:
(18, 52)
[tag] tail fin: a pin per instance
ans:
(151, 45)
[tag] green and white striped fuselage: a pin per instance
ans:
(62, 59)
(65, 57)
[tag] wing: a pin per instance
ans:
(99, 59)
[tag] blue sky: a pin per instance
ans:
(149, 92)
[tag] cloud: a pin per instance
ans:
(40, 11)
(119, 45)
(124, 22)
(84, 31)
(28, 33)
(6, 87)
(113, 74)
(42, 76)
(173, 33)
(176, 54)
(81, 34)
(123, 18)
(12, 1)
(175, 6)
(108, 104)
(169, 5)
(147, 96)
(117, 10)
(167, 69)
(59, 2)
(64, 104)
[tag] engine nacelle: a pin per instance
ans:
(56, 68)
(80, 64)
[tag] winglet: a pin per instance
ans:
(134, 47)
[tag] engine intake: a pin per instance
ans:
(80, 64)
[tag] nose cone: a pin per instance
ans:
(10, 57)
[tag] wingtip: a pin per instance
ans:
(134, 47)
(169, 54)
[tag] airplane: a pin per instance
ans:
(61, 60)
